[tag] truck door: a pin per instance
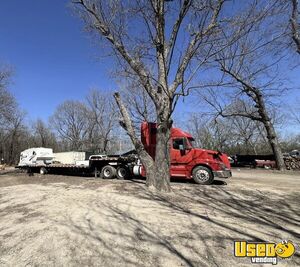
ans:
(179, 157)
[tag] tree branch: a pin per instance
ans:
(194, 43)
(295, 24)
(170, 47)
(126, 123)
(136, 65)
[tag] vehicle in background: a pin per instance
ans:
(291, 160)
(186, 160)
(253, 161)
(295, 154)
(267, 164)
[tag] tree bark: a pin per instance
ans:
(273, 140)
(271, 133)
(295, 25)
(160, 179)
(146, 159)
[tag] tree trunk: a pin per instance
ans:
(271, 133)
(157, 171)
(273, 140)
(160, 178)
(12, 149)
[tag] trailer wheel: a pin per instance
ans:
(202, 175)
(43, 171)
(122, 173)
(108, 172)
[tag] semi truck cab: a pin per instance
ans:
(186, 159)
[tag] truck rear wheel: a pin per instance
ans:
(203, 175)
(108, 172)
(122, 173)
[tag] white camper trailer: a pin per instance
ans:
(36, 155)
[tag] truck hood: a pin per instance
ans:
(212, 154)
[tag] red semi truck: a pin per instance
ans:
(187, 161)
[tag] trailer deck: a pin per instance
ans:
(94, 166)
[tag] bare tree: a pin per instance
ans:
(102, 121)
(233, 135)
(42, 135)
(158, 54)
(251, 73)
(71, 123)
(209, 133)
(259, 114)
(139, 104)
(11, 120)
(294, 112)
(7, 101)
(248, 133)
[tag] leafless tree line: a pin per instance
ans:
(89, 125)
(92, 125)
(11, 118)
(236, 135)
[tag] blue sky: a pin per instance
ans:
(54, 59)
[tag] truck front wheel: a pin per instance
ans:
(108, 172)
(203, 175)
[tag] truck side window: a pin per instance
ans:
(177, 142)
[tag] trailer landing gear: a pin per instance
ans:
(96, 173)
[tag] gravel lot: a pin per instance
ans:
(57, 220)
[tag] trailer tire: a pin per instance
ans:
(108, 172)
(203, 175)
(43, 171)
(122, 173)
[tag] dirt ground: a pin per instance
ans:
(56, 220)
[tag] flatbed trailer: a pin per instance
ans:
(98, 166)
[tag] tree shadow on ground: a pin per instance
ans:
(193, 226)
(196, 225)
(175, 180)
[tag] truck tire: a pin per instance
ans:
(43, 171)
(203, 175)
(108, 172)
(122, 173)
